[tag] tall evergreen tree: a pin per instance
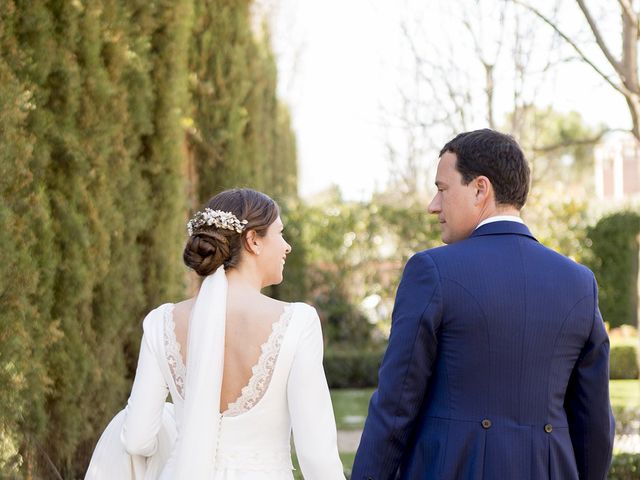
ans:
(94, 100)
(163, 154)
(220, 86)
(23, 223)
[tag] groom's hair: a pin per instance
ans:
(496, 156)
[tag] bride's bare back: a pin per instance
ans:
(249, 323)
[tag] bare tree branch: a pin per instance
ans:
(619, 88)
(628, 10)
(50, 463)
(615, 63)
(574, 143)
(455, 116)
(488, 67)
(503, 32)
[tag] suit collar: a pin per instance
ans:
(503, 228)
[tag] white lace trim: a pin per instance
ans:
(262, 371)
(172, 351)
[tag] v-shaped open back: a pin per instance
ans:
(285, 393)
(261, 372)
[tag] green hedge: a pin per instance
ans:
(614, 261)
(625, 466)
(357, 369)
(623, 362)
(101, 104)
(352, 369)
(241, 133)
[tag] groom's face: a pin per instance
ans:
(454, 203)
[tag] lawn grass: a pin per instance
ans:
(350, 407)
(625, 393)
(626, 342)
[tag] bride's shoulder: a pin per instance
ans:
(154, 320)
(305, 308)
(305, 314)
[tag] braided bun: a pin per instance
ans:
(206, 251)
(210, 246)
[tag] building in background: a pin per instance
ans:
(617, 168)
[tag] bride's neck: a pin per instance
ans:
(245, 278)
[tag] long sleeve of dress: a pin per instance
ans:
(313, 422)
(143, 414)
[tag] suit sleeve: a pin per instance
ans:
(591, 423)
(143, 414)
(312, 419)
(405, 371)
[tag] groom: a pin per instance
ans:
(498, 359)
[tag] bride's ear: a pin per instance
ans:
(250, 243)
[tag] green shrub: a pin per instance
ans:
(626, 420)
(357, 369)
(625, 466)
(623, 363)
(614, 248)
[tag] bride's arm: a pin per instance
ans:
(143, 414)
(313, 422)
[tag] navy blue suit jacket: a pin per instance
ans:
(497, 367)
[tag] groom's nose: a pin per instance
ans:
(435, 205)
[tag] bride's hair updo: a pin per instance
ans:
(209, 246)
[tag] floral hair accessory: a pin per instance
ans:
(215, 218)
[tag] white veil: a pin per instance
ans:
(196, 444)
(194, 450)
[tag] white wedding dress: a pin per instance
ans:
(191, 439)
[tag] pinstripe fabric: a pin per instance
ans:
(497, 367)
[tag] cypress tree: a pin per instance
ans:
(163, 160)
(73, 173)
(94, 98)
(284, 164)
(220, 85)
(237, 118)
(22, 215)
(27, 51)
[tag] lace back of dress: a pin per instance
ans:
(173, 353)
(262, 371)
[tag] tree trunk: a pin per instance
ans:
(633, 101)
(489, 86)
(629, 67)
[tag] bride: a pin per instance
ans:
(243, 369)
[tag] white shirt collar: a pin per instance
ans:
(500, 218)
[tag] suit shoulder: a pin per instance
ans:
(568, 263)
(434, 256)
(426, 257)
(421, 269)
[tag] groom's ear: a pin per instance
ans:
(483, 188)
